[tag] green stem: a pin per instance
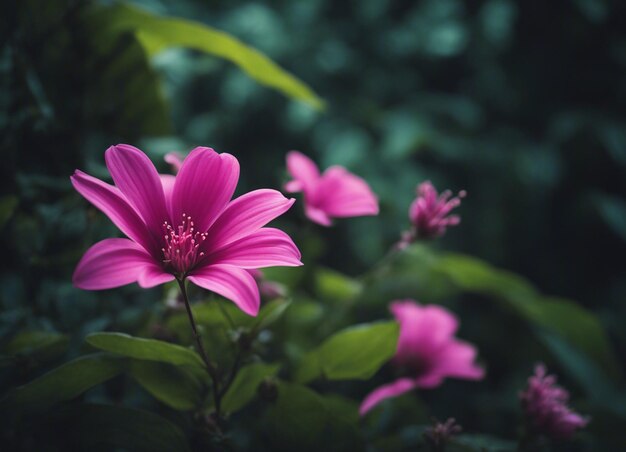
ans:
(209, 367)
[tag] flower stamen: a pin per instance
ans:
(181, 251)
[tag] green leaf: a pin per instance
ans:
(123, 93)
(301, 420)
(159, 33)
(574, 323)
(270, 313)
(7, 207)
(174, 386)
(354, 353)
(450, 274)
(106, 427)
(63, 383)
(298, 417)
(481, 443)
(148, 349)
(332, 285)
(245, 385)
(39, 345)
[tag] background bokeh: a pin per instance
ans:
(521, 103)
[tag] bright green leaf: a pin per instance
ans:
(158, 33)
(354, 353)
(174, 386)
(334, 286)
(63, 383)
(148, 349)
(245, 385)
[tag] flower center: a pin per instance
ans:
(180, 253)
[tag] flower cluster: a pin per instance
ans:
(545, 407)
(186, 227)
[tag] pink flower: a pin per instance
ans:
(545, 406)
(429, 213)
(336, 193)
(183, 227)
(175, 160)
(427, 351)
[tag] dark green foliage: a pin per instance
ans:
(519, 103)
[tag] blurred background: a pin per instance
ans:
(521, 103)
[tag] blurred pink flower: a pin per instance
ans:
(429, 213)
(175, 159)
(183, 227)
(545, 406)
(427, 351)
(268, 289)
(336, 193)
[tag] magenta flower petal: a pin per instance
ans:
(424, 328)
(204, 185)
(267, 247)
(317, 215)
(345, 195)
(336, 193)
(113, 204)
(167, 181)
(110, 263)
(174, 159)
(303, 170)
(169, 220)
(427, 350)
(247, 214)
(153, 275)
(137, 178)
(457, 360)
(231, 282)
(387, 391)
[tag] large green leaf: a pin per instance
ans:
(148, 349)
(174, 386)
(106, 427)
(63, 383)
(571, 321)
(432, 275)
(245, 385)
(300, 419)
(158, 33)
(353, 353)
(123, 91)
(38, 345)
